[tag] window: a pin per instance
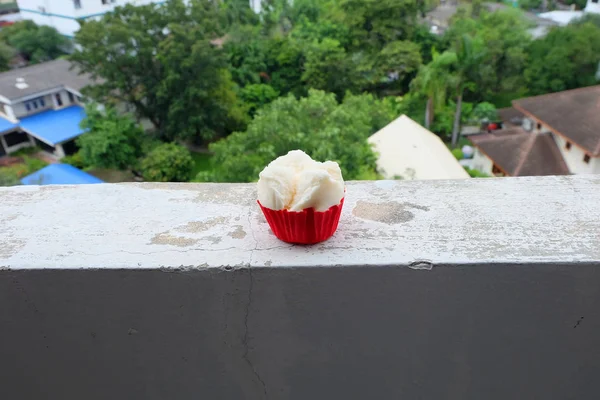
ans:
(58, 99)
(77, 4)
(594, 1)
(586, 159)
(108, 1)
(35, 104)
(568, 146)
(71, 97)
(539, 126)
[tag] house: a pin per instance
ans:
(59, 174)
(63, 14)
(552, 134)
(41, 105)
(406, 150)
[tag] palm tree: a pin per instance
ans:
(469, 53)
(434, 80)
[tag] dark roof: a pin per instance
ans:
(41, 77)
(574, 114)
(510, 116)
(521, 153)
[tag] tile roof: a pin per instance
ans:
(521, 153)
(510, 116)
(574, 114)
(59, 174)
(41, 77)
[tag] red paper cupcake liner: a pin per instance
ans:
(303, 227)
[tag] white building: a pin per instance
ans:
(406, 150)
(564, 17)
(558, 135)
(63, 14)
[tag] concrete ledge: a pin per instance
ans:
(171, 226)
(480, 289)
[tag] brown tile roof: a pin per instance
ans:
(574, 114)
(510, 116)
(521, 153)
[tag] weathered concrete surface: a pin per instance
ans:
(482, 289)
(385, 223)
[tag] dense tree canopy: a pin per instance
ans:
(567, 58)
(37, 43)
(112, 140)
(317, 124)
(168, 162)
(161, 60)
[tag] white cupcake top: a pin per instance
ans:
(295, 181)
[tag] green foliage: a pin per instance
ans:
(484, 111)
(567, 58)
(112, 140)
(35, 43)
(162, 62)
(579, 3)
(168, 162)
(6, 55)
(504, 39)
(474, 173)
(530, 4)
(33, 164)
(256, 96)
(458, 154)
(317, 124)
(75, 160)
(9, 176)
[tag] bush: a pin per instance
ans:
(473, 173)
(458, 154)
(168, 162)
(75, 160)
(9, 177)
(34, 164)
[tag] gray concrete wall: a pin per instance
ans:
(442, 299)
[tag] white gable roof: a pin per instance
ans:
(408, 150)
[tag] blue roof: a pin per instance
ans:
(55, 126)
(59, 174)
(6, 125)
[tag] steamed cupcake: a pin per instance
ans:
(301, 198)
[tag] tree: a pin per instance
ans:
(469, 53)
(160, 60)
(6, 55)
(499, 77)
(434, 80)
(317, 124)
(35, 43)
(566, 58)
(112, 140)
(374, 23)
(169, 162)
(257, 96)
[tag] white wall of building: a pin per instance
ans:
(574, 157)
(593, 6)
(62, 14)
(481, 162)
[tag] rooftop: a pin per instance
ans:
(59, 174)
(55, 126)
(573, 114)
(521, 153)
(408, 150)
(41, 77)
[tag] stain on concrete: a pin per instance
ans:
(391, 212)
(213, 239)
(239, 232)
(268, 263)
(10, 247)
(202, 226)
(166, 239)
(260, 218)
